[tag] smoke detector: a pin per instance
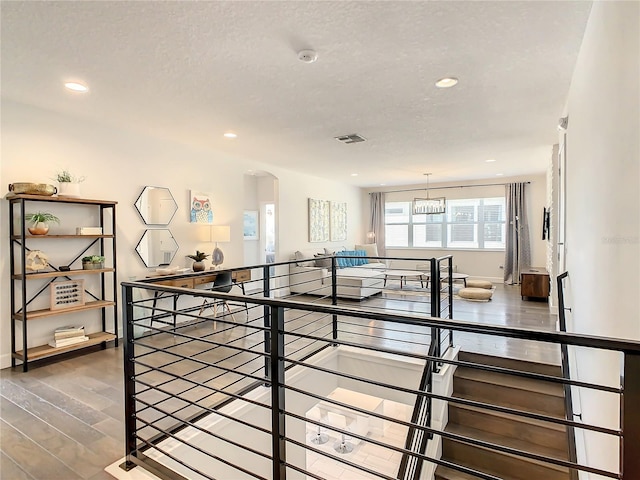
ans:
(351, 138)
(307, 56)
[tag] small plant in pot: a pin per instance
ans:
(93, 262)
(198, 265)
(69, 184)
(40, 222)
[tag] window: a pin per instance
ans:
(472, 223)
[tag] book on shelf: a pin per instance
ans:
(68, 332)
(65, 342)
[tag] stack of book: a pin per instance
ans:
(69, 335)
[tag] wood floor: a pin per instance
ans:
(64, 420)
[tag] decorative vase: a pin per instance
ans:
(69, 189)
(39, 228)
(198, 266)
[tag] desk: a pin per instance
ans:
(194, 280)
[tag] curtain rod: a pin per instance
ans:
(449, 186)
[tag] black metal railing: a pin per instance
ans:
(566, 373)
(199, 399)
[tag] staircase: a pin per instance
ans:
(529, 435)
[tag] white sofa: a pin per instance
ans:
(309, 275)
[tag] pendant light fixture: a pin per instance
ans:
(429, 206)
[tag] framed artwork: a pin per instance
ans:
(338, 224)
(318, 220)
(250, 228)
(200, 207)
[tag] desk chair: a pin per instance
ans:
(222, 283)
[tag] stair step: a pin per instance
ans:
(510, 442)
(508, 390)
(513, 381)
(499, 463)
(512, 363)
(446, 473)
(532, 430)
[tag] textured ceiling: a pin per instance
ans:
(190, 71)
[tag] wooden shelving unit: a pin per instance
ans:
(24, 290)
(42, 351)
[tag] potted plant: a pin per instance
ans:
(198, 265)
(93, 262)
(40, 222)
(68, 184)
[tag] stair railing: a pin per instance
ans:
(411, 466)
(417, 439)
(566, 374)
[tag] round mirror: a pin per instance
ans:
(156, 205)
(157, 247)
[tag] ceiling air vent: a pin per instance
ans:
(352, 138)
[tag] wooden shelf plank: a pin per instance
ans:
(41, 351)
(50, 313)
(17, 237)
(31, 276)
(48, 198)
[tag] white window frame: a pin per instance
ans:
(414, 222)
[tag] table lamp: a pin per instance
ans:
(219, 233)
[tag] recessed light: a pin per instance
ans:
(490, 160)
(230, 135)
(446, 82)
(499, 174)
(354, 174)
(76, 87)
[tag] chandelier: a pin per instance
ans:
(428, 206)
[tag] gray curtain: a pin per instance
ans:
(376, 224)
(517, 254)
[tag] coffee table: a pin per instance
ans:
(403, 274)
(455, 277)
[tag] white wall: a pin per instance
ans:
(118, 164)
(603, 203)
(481, 264)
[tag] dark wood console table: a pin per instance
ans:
(534, 283)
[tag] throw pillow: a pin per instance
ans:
(322, 260)
(361, 261)
(301, 256)
(370, 248)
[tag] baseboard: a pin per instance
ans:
(5, 360)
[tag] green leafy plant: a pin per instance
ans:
(41, 217)
(65, 176)
(199, 256)
(93, 259)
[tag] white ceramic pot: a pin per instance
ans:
(68, 189)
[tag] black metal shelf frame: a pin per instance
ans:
(18, 241)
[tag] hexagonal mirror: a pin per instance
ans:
(156, 205)
(157, 247)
